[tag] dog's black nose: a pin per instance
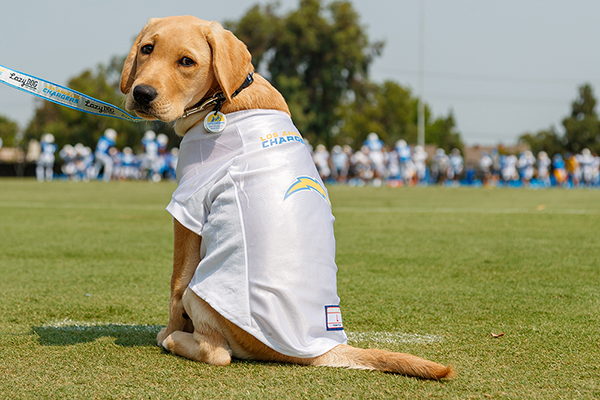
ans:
(144, 94)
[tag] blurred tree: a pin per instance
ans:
(314, 55)
(8, 131)
(72, 126)
(319, 57)
(546, 140)
(442, 132)
(388, 110)
(582, 129)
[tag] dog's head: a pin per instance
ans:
(176, 62)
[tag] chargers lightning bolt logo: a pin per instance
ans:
(215, 118)
(307, 183)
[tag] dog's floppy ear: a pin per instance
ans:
(128, 74)
(231, 59)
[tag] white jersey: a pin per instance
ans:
(509, 170)
(46, 158)
(268, 251)
(485, 163)
(587, 167)
(321, 160)
(420, 161)
(526, 165)
(543, 167)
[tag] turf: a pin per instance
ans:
(432, 271)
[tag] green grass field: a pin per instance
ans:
(85, 274)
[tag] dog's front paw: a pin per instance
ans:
(167, 344)
(160, 338)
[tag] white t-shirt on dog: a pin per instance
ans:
(268, 250)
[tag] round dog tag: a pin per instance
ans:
(215, 122)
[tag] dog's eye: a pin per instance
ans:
(187, 62)
(147, 49)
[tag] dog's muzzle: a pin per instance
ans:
(144, 95)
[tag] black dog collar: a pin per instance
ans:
(217, 99)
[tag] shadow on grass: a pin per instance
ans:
(70, 334)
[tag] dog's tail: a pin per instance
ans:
(386, 361)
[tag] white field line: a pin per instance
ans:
(80, 206)
(360, 210)
(370, 337)
(456, 210)
(70, 325)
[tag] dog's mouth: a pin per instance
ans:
(144, 113)
(158, 111)
(145, 101)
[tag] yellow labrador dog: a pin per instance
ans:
(254, 275)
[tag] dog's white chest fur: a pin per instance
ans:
(268, 251)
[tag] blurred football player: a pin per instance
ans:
(68, 155)
(172, 163)
(150, 161)
(130, 165)
(560, 174)
(104, 162)
(485, 164)
(376, 157)
(45, 163)
(456, 166)
(509, 168)
(321, 160)
(543, 169)
(526, 165)
(420, 161)
(440, 166)
(573, 169)
(407, 167)
(587, 167)
(340, 163)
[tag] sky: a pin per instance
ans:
(504, 68)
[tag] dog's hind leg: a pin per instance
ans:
(208, 347)
(186, 257)
(206, 344)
